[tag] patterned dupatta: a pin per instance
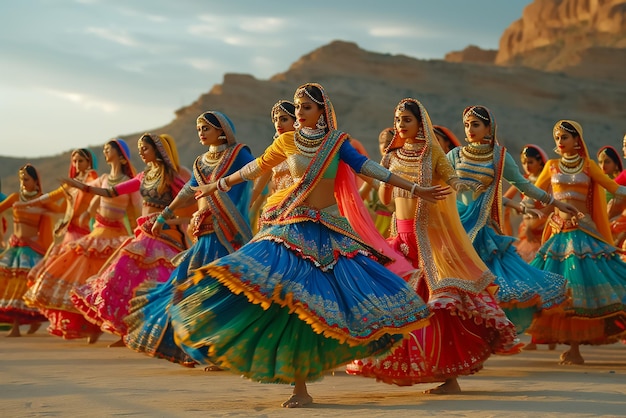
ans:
(447, 258)
(229, 225)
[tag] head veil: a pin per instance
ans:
(542, 153)
(74, 197)
(128, 168)
(448, 134)
(329, 109)
(44, 237)
(166, 147)
(447, 256)
(223, 122)
(86, 154)
(618, 161)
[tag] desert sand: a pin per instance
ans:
(41, 375)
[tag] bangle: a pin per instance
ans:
(522, 209)
(222, 186)
(167, 213)
(413, 189)
(160, 219)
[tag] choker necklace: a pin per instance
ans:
(24, 195)
(214, 154)
(312, 132)
(308, 144)
(478, 152)
(571, 165)
(411, 152)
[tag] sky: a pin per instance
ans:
(75, 73)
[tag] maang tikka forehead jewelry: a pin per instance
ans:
(301, 92)
(472, 112)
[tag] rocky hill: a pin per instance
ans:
(365, 86)
(583, 38)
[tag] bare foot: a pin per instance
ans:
(118, 343)
(568, 358)
(449, 386)
(213, 368)
(33, 327)
(297, 401)
(93, 338)
(530, 347)
(15, 330)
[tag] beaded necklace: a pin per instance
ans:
(411, 152)
(571, 165)
(308, 144)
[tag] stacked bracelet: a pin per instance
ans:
(160, 219)
(222, 186)
(167, 213)
(413, 189)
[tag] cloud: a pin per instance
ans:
(85, 101)
(118, 36)
(202, 64)
(261, 24)
(403, 32)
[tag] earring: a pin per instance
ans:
(296, 125)
(420, 133)
(321, 123)
(577, 146)
(222, 137)
(557, 150)
(488, 137)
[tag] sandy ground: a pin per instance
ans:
(46, 376)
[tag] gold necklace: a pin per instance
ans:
(112, 181)
(411, 152)
(482, 152)
(571, 165)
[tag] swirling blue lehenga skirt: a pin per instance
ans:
(148, 321)
(524, 290)
(296, 301)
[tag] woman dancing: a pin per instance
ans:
(103, 299)
(533, 159)
(283, 117)
(307, 293)
(32, 235)
(220, 226)
(467, 325)
(522, 290)
(580, 248)
(72, 227)
(81, 259)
